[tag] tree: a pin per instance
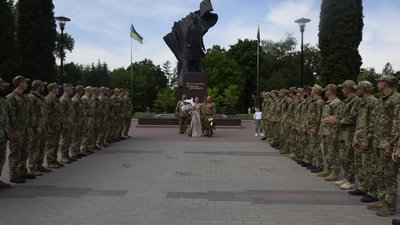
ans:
(222, 71)
(7, 41)
(340, 34)
(388, 69)
(165, 101)
(96, 75)
(169, 73)
(36, 37)
(68, 44)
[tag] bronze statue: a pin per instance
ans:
(186, 39)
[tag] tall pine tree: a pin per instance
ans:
(7, 41)
(36, 37)
(340, 34)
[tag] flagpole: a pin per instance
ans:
(131, 71)
(258, 63)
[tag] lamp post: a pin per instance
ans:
(62, 20)
(302, 24)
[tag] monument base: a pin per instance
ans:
(195, 84)
(165, 120)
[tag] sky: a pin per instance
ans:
(101, 27)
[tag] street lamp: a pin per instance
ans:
(62, 20)
(302, 24)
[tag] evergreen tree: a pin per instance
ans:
(7, 41)
(36, 37)
(340, 34)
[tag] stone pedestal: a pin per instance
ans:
(195, 84)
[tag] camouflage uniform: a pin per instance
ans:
(314, 112)
(4, 130)
(18, 112)
(284, 124)
(55, 118)
(98, 116)
(304, 135)
(385, 130)
(110, 120)
(121, 116)
(366, 160)
(88, 108)
(329, 133)
(79, 113)
(37, 142)
(128, 116)
(348, 117)
(210, 112)
(103, 125)
(183, 117)
(68, 126)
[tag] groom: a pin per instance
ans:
(182, 115)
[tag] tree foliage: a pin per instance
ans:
(7, 41)
(68, 44)
(36, 37)
(340, 34)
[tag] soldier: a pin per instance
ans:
(347, 126)
(38, 118)
(297, 123)
(54, 117)
(79, 114)
(105, 112)
(385, 131)
(291, 115)
(210, 113)
(284, 122)
(88, 108)
(98, 116)
(202, 114)
(5, 130)
(264, 107)
(306, 155)
(365, 158)
(68, 124)
(183, 115)
(18, 112)
(122, 115)
(110, 120)
(128, 115)
(329, 133)
(116, 107)
(314, 112)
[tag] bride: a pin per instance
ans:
(195, 124)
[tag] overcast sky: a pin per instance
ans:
(101, 27)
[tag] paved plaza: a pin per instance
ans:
(160, 177)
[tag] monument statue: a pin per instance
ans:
(186, 39)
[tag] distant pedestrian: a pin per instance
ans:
(257, 118)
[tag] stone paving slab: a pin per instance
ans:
(162, 178)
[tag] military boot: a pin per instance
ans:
(395, 222)
(347, 186)
(65, 160)
(369, 198)
(385, 212)
(324, 173)
(17, 180)
(375, 207)
(331, 177)
(43, 169)
(340, 182)
(36, 172)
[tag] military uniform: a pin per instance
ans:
(104, 117)
(88, 107)
(210, 113)
(385, 130)
(80, 122)
(365, 160)
(183, 116)
(329, 134)
(38, 117)
(128, 116)
(18, 112)
(4, 131)
(55, 119)
(69, 124)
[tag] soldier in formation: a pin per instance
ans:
(46, 133)
(354, 142)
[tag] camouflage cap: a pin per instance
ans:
(67, 85)
(51, 86)
(36, 84)
(348, 84)
(366, 85)
(332, 87)
(292, 89)
(117, 90)
(316, 87)
(88, 88)
(300, 89)
(285, 91)
(388, 78)
(307, 88)
(2, 82)
(79, 88)
(19, 79)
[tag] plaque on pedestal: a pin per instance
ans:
(195, 84)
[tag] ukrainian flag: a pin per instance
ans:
(135, 35)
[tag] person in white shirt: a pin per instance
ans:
(257, 118)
